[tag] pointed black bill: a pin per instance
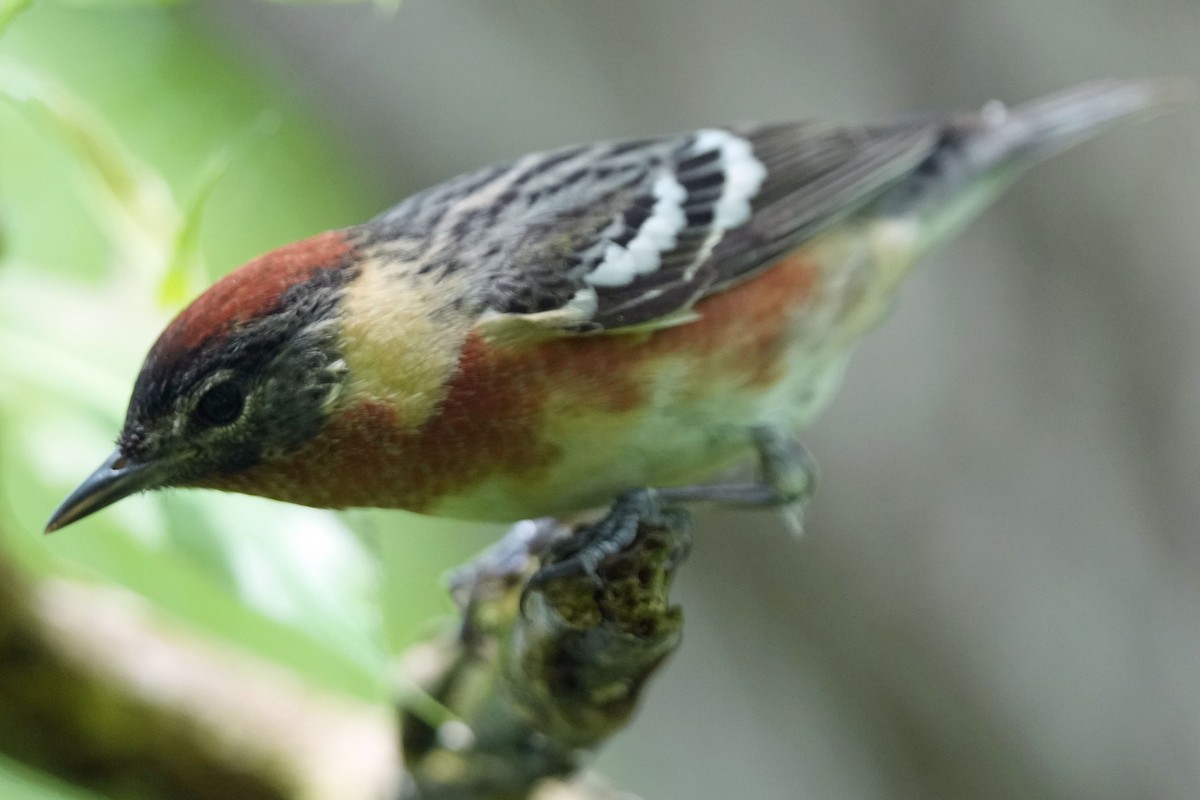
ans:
(117, 478)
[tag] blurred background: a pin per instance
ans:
(998, 592)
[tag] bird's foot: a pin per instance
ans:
(594, 544)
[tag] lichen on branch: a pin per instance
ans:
(529, 693)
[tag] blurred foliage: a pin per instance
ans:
(17, 782)
(142, 160)
(10, 8)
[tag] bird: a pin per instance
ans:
(606, 324)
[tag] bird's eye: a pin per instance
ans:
(221, 405)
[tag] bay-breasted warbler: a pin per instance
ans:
(541, 336)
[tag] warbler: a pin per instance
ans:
(612, 320)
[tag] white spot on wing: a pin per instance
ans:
(656, 236)
(744, 175)
(583, 304)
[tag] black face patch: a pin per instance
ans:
(257, 390)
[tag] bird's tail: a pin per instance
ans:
(979, 154)
(997, 136)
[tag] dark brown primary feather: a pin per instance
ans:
(817, 175)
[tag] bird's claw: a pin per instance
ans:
(582, 554)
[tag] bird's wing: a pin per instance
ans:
(628, 234)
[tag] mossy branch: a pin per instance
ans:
(531, 695)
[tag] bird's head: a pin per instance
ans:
(248, 372)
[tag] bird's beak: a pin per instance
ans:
(117, 478)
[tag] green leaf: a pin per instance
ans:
(131, 201)
(9, 9)
(185, 275)
(18, 782)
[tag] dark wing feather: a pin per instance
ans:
(817, 175)
(626, 241)
(615, 235)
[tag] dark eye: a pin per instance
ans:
(221, 405)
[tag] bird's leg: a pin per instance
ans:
(788, 479)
